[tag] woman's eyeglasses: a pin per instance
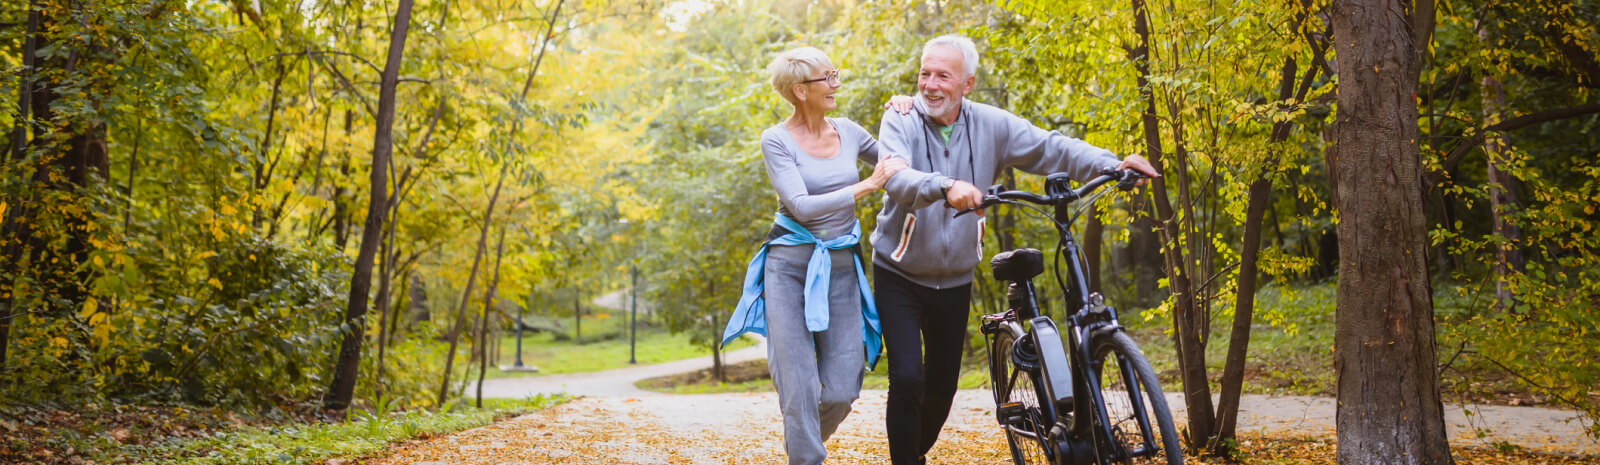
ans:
(831, 77)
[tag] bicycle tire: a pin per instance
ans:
(1012, 383)
(1120, 408)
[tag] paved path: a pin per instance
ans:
(617, 382)
(619, 301)
(1533, 428)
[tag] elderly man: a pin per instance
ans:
(923, 258)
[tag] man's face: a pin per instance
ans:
(943, 82)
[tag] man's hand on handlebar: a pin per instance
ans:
(963, 195)
(1138, 163)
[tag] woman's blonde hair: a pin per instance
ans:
(793, 66)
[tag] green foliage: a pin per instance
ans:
(1543, 338)
(251, 327)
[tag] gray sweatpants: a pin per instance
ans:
(817, 375)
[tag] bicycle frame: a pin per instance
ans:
(1067, 367)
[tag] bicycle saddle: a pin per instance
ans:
(1017, 265)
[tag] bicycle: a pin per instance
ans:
(1089, 414)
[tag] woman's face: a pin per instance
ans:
(819, 90)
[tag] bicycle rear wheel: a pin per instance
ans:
(1136, 409)
(1012, 383)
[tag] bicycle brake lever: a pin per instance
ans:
(1130, 179)
(969, 210)
(988, 201)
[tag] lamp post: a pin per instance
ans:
(518, 364)
(633, 314)
(633, 308)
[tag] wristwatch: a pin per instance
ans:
(944, 187)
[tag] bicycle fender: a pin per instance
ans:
(1104, 330)
(1053, 361)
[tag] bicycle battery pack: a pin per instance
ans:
(1053, 363)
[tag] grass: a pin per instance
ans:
(604, 346)
(1291, 343)
(1290, 349)
(363, 433)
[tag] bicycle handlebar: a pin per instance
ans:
(1056, 190)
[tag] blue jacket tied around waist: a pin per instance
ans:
(750, 316)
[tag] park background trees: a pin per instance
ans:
(184, 184)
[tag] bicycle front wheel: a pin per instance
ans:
(1136, 410)
(1013, 383)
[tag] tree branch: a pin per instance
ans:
(1476, 140)
(1525, 379)
(351, 87)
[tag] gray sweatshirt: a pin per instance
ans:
(815, 191)
(916, 236)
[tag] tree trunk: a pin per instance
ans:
(1006, 230)
(1144, 258)
(390, 254)
(67, 156)
(1243, 314)
(385, 277)
(1502, 186)
(13, 227)
(395, 308)
(1092, 232)
(483, 322)
(345, 372)
(483, 235)
(717, 371)
(341, 207)
(1191, 356)
(1389, 411)
(466, 294)
(133, 176)
(718, 366)
(1256, 206)
(419, 299)
(263, 175)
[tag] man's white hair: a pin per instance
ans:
(969, 51)
(793, 66)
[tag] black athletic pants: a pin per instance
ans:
(923, 330)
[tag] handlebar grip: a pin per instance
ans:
(990, 198)
(1129, 179)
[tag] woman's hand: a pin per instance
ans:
(900, 104)
(887, 166)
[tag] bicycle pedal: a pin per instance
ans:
(1011, 414)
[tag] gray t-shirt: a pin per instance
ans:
(815, 191)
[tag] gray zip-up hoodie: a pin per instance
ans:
(916, 236)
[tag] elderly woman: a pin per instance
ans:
(805, 288)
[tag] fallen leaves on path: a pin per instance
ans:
(562, 436)
(744, 430)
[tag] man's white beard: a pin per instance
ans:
(946, 106)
